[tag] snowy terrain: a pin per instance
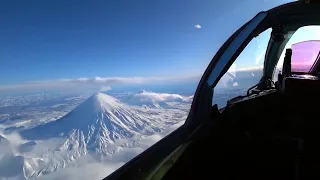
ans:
(77, 137)
(27, 111)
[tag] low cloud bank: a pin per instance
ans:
(90, 84)
(148, 97)
(89, 171)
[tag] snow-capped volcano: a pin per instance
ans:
(100, 129)
(97, 122)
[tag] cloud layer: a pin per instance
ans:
(89, 84)
(96, 84)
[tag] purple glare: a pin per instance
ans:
(304, 54)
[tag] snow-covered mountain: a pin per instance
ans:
(96, 123)
(101, 127)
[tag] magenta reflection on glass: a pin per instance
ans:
(304, 55)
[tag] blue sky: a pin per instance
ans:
(55, 39)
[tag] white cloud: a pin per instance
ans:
(229, 78)
(152, 98)
(105, 88)
(257, 68)
(95, 84)
(235, 84)
(158, 97)
(89, 171)
(198, 26)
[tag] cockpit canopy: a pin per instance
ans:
(252, 59)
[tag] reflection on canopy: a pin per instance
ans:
(304, 55)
